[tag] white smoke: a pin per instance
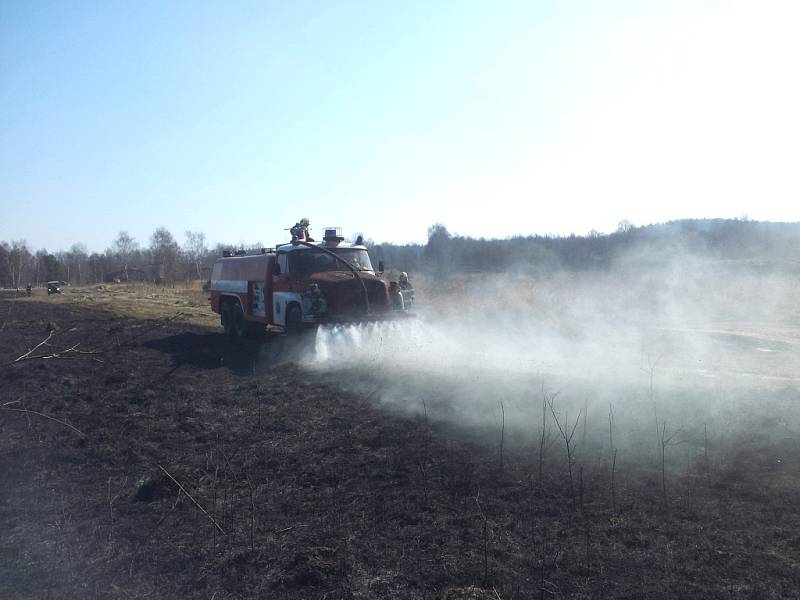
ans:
(718, 347)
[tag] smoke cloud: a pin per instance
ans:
(693, 343)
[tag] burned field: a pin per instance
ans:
(154, 458)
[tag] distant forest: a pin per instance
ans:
(164, 260)
(628, 246)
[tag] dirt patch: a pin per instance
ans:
(177, 464)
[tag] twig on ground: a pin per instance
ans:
(28, 411)
(196, 503)
(288, 529)
(67, 353)
(32, 350)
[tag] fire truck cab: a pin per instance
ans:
(299, 284)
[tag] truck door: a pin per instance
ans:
(282, 280)
(284, 289)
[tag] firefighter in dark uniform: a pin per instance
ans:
(300, 231)
(395, 296)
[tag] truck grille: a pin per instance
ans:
(347, 298)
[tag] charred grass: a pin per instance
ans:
(198, 471)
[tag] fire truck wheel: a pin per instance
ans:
(239, 325)
(294, 320)
(226, 319)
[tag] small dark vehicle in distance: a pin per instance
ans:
(53, 287)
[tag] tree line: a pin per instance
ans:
(164, 260)
(629, 245)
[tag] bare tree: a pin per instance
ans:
(123, 249)
(544, 434)
(196, 249)
(567, 434)
(613, 456)
(46, 266)
(664, 441)
(77, 257)
(164, 253)
(624, 226)
(5, 274)
(125, 245)
(650, 371)
(63, 261)
(18, 261)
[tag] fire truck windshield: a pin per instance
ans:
(310, 261)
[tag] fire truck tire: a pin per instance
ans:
(238, 323)
(226, 318)
(294, 320)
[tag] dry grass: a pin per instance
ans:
(138, 300)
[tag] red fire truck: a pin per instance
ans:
(301, 284)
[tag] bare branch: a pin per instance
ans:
(567, 436)
(28, 411)
(32, 350)
(196, 503)
(67, 353)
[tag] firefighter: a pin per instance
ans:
(405, 284)
(300, 231)
(395, 296)
(406, 290)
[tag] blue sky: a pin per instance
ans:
(494, 118)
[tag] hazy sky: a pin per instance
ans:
(494, 118)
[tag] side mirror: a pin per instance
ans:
(380, 266)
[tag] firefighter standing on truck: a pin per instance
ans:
(300, 231)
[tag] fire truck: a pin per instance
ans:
(301, 284)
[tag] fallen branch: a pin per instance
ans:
(29, 352)
(72, 351)
(67, 353)
(288, 529)
(196, 503)
(26, 410)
